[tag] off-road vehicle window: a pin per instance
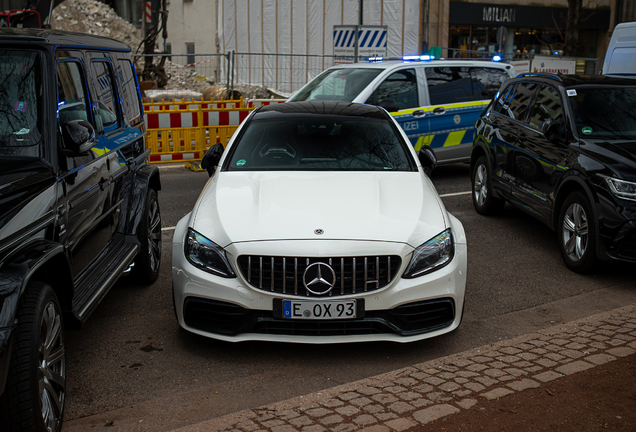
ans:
(106, 96)
(20, 98)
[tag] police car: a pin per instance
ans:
(437, 102)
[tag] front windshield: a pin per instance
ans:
(604, 112)
(320, 143)
(337, 85)
(20, 98)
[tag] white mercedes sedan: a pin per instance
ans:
(319, 224)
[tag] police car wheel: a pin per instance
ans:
(483, 200)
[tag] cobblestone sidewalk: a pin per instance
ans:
(419, 394)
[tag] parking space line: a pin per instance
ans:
(455, 194)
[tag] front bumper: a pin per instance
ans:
(404, 311)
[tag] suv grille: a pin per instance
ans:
(284, 275)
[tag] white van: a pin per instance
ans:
(620, 59)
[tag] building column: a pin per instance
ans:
(438, 15)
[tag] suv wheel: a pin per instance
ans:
(149, 258)
(577, 233)
(483, 200)
(36, 384)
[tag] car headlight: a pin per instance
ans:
(621, 188)
(432, 255)
(207, 255)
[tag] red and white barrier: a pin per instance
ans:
(255, 103)
(175, 157)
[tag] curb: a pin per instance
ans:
(419, 394)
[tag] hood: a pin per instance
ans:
(381, 206)
(618, 155)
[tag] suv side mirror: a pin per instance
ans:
(550, 130)
(78, 136)
(428, 159)
(212, 158)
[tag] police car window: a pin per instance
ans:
(547, 106)
(400, 87)
(71, 98)
(490, 80)
(106, 97)
(518, 101)
(129, 93)
(448, 85)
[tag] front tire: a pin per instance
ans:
(35, 391)
(149, 257)
(577, 234)
(484, 201)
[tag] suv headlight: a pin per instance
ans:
(207, 255)
(432, 255)
(621, 188)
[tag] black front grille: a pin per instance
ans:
(231, 320)
(284, 275)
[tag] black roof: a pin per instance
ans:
(59, 37)
(575, 80)
(322, 108)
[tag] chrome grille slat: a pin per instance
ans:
(284, 276)
(353, 274)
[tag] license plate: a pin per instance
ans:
(319, 310)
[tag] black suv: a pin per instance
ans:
(563, 149)
(78, 205)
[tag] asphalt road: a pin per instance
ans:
(133, 368)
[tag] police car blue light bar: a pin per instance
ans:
(375, 59)
(425, 57)
(496, 58)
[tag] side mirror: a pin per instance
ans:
(212, 158)
(550, 130)
(78, 136)
(428, 159)
(389, 105)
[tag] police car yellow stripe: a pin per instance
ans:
(454, 138)
(422, 141)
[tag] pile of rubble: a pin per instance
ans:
(96, 18)
(93, 17)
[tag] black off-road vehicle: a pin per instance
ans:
(78, 205)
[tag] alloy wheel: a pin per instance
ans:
(154, 236)
(481, 185)
(52, 367)
(575, 232)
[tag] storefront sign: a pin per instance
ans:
(498, 14)
(553, 65)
